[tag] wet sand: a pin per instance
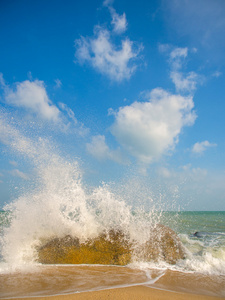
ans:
(108, 282)
(128, 293)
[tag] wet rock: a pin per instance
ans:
(109, 248)
(113, 248)
(56, 250)
(163, 244)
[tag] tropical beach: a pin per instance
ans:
(71, 285)
(112, 149)
(177, 287)
(92, 268)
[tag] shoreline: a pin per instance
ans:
(107, 282)
(140, 292)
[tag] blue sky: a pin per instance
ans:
(134, 90)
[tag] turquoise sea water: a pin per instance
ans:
(191, 221)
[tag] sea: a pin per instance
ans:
(56, 218)
(45, 215)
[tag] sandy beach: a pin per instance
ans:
(128, 293)
(107, 282)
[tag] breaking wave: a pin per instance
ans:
(57, 219)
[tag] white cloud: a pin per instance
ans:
(33, 96)
(117, 61)
(119, 22)
(108, 2)
(18, 173)
(179, 52)
(98, 147)
(105, 57)
(177, 55)
(199, 148)
(149, 129)
(184, 83)
(100, 150)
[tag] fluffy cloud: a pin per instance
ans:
(100, 150)
(149, 129)
(183, 82)
(199, 148)
(105, 57)
(108, 2)
(177, 56)
(32, 96)
(115, 61)
(119, 22)
(179, 52)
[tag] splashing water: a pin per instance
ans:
(58, 205)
